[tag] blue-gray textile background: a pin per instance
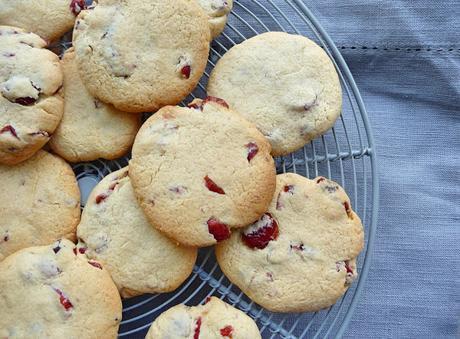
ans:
(405, 57)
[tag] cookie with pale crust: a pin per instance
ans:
(141, 55)
(213, 320)
(286, 84)
(301, 254)
(90, 129)
(115, 232)
(217, 12)
(50, 19)
(201, 171)
(51, 292)
(39, 203)
(30, 105)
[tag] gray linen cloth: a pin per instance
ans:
(405, 57)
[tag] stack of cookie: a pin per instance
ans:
(199, 176)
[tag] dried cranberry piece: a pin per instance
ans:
(76, 6)
(253, 149)
(348, 209)
(82, 250)
(208, 299)
(288, 189)
(185, 71)
(64, 300)
(196, 334)
(348, 268)
(9, 128)
(26, 101)
(95, 264)
(226, 331)
(219, 230)
(212, 186)
(320, 180)
(113, 185)
(101, 197)
(259, 234)
(219, 101)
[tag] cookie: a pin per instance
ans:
(50, 292)
(301, 254)
(200, 171)
(31, 108)
(50, 19)
(39, 203)
(90, 129)
(141, 55)
(215, 319)
(284, 83)
(217, 12)
(115, 232)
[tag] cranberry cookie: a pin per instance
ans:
(141, 55)
(50, 19)
(213, 320)
(217, 12)
(301, 254)
(31, 108)
(284, 83)
(114, 231)
(90, 129)
(39, 203)
(200, 171)
(50, 292)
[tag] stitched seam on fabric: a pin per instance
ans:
(402, 49)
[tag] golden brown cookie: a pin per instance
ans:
(51, 292)
(284, 83)
(301, 254)
(115, 232)
(199, 172)
(213, 320)
(50, 19)
(39, 203)
(141, 55)
(90, 129)
(30, 105)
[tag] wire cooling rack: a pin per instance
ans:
(345, 154)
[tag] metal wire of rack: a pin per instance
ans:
(345, 154)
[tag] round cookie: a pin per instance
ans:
(198, 172)
(90, 129)
(213, 320)
(217, 12)
(301, 255)
(50, 19)
(39, 203)
(115, 232)
(31, 108)
(50, 292)
(141, 55)
(284, 83)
